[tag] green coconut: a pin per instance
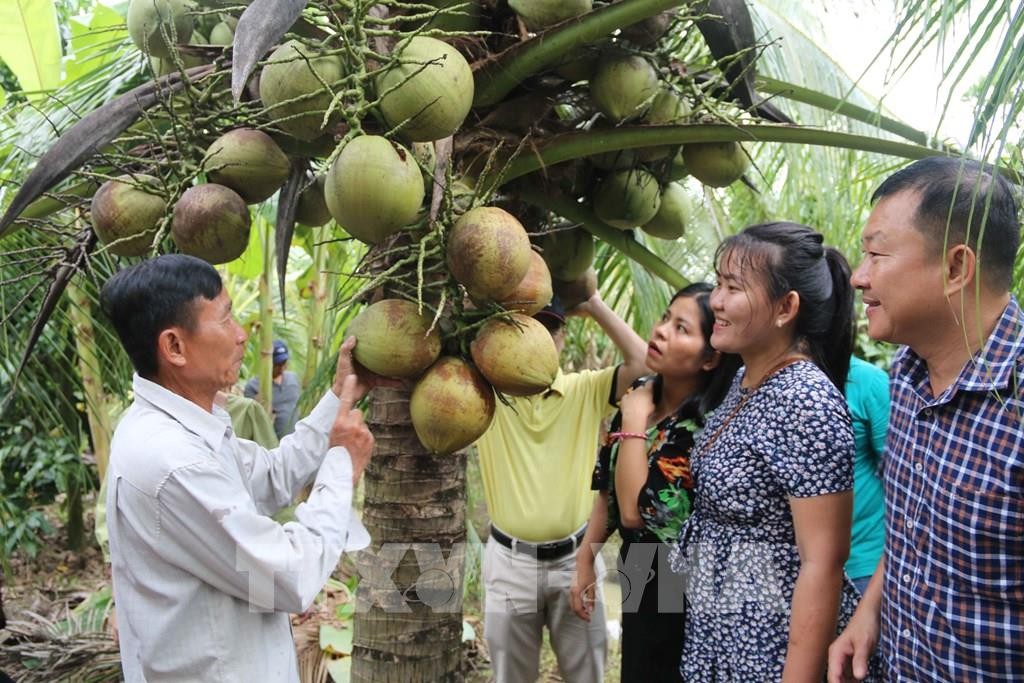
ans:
(667, 109)
(454, 15)
(162, 67)
(648, 31)
(488, 252)
(568, 253)
(717, 164)
(517, 357)
(293, 71)
(151, 23)
(126, 213)
(534, 291)
(626, 199)
(394, 339)
(211, 222)
(451, 406)
(428, 91)
(249, 162)
(677, 166)
(539, 14)
(673, 215)
(623, 86)
(575, 292)
(222, 34)
(374, 188)
(312, 207)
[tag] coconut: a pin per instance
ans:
(394, 340)
(249, 162)
(312, 207)
(459, 16)
(152, 23)
(573, 293)
(293, 71)
(539, 14)
(717, 164)
(125, 209)
(451, 406)
(677, 167)
(568, 253)
(667, 109)
(320, 147)
(648, 31)
(162, 67)
(488, 252)
(518, 356)
(428, 91)
(579, 66)
(222, 34)
(534, 291)
(673, 214)
(374, 188)
(623, 86)
(626, 199)
(212, 222)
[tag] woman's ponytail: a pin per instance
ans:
(837, 345)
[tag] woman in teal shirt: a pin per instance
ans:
(867, 395)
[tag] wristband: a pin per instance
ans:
(619, 436)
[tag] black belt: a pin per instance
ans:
(542, 551)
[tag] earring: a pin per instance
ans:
(778, 323)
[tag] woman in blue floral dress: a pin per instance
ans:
(764, 549)
(643, 478)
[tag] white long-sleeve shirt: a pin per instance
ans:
(203, 578)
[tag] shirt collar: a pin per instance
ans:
(991, 368)
(211, 427)
(558, 386)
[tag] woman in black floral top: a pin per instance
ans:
(643, 476)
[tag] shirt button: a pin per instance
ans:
(919, 467)
(906, 633)
(927, 412)
(906, 578)
(909, 523)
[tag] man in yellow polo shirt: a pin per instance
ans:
(536, 459)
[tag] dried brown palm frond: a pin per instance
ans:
(39, 650)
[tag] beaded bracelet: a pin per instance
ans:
(619, 436)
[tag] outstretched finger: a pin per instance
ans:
(347, 398)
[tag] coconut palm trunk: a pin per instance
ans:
(408, 625)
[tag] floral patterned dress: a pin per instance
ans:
(791, 438)
(652, 595)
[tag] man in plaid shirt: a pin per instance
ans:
(947, 600)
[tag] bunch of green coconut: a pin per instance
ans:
(453, 402)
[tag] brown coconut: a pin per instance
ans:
(212, 222)
(394, 339)
(534, 291)
(568, 253)
(312, 207)
(517, 357)
(451, 406)
(573, 293)
(488, 252)
(249, 162)
(126, 213)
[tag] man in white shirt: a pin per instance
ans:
(203, 578)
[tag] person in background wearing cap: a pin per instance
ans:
(285, 393)
(536, 460)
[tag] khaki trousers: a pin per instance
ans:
(522, 595)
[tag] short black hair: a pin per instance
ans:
(145, 299)
(975, 203)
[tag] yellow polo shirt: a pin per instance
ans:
(536, 462)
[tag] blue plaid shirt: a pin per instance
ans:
(953, 601)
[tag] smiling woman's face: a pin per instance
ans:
(742, 310)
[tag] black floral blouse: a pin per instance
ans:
(666, 498)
